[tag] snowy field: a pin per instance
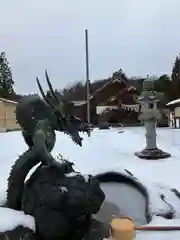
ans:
(108, 150)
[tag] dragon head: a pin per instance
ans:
(65, 121)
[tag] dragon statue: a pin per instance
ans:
(61, 200)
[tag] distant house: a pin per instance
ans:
(174, 115)
(7, 115)
(114, 94)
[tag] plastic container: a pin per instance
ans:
(122, 228)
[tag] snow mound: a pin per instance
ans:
(10, 219)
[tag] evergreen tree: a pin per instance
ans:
(119, 74)
(164, 84)
(175, 76)
(6, 81)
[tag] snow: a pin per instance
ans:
(10, 219)
(108, 150)
(173, 102)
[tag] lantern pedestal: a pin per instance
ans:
(152, 154)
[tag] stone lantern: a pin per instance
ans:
(150, 115)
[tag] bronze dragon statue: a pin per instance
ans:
(39, 118)
(61, 200)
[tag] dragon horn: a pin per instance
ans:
(50, 87)
(43, 94)
(54, 95)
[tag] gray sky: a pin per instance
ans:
(140, 36)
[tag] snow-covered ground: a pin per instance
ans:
(110, 150)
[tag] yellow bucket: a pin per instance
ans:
(122, 228)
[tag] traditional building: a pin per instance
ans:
(115, 97)
(174, 113)
(7, 115)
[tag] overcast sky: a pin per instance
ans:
(140, 36)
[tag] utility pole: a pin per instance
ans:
(87, 78)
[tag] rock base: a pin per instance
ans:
(97, 231)
(152, 154)
(18, 233)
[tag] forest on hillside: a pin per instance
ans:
(169, 85)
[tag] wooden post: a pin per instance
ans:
(4, 116)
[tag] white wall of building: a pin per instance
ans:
(101, 109)
(177, 112)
